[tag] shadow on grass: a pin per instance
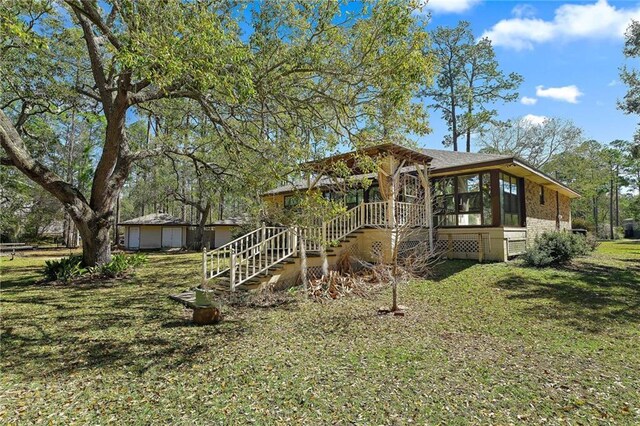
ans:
(449, 267)
(586, 296)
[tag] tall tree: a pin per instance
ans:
(469, 82)
(305, 72)
(536, 143)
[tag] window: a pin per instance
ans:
(290, 201)
(374, 194)
(410, 188)
(468, 200)
(487, 205)
(351, 198)
(509, 200)
(541, 195)
(444, 206)
(463, 200)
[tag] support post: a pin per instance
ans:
(294, 238)
(480, 249)
(204, 265)
(450, 246)
(232, 269)
(423, 173)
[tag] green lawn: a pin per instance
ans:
(492, 343)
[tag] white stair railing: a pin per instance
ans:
(258, 258)
(217, 262)
(254, 253)
(376, 213)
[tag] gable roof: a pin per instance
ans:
(156, 219)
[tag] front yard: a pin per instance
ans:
(491, 343)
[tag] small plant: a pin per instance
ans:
(64, 269)
(119, 264)
(137, 259)
(556, 248)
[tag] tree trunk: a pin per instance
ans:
(611, 208)
(454, 129)
(325, 259)
(204, 215)
(96, 244)
(468, 140)
(595, 215)
(617, 185)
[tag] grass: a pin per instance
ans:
(482, 343)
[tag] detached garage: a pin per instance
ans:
(155, 231)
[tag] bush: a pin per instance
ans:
(580, 223)
(120, 263)
(556, 248)
(64, 269)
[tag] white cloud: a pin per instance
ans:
(613, 83)
(523, 11)
(449, 6)
(571, 21)
(534, 120)
(567, 93)
(528, 101)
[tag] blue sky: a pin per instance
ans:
(569, 53)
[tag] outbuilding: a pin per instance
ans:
(155, 231)
(226, 229)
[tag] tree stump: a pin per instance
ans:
(206, 315)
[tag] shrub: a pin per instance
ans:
(580, 223)
(556, 248)
(120, 263)
(64, 269)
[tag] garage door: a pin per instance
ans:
(134, 237)
(171, 237)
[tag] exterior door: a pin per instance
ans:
(134, 237)
(172, 237)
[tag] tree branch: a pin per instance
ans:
(19, 157)
(97, 67)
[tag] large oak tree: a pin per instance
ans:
(271, 76)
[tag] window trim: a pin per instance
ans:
(456, 194)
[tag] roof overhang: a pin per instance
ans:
(350, 159)
(512, 166)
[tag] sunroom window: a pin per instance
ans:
(509, 200)
(463, 200)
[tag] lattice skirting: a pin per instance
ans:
(463, 243)
(376, 250)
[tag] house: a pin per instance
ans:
(463, 205)
(155, 231)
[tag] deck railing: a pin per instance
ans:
(254, 253)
